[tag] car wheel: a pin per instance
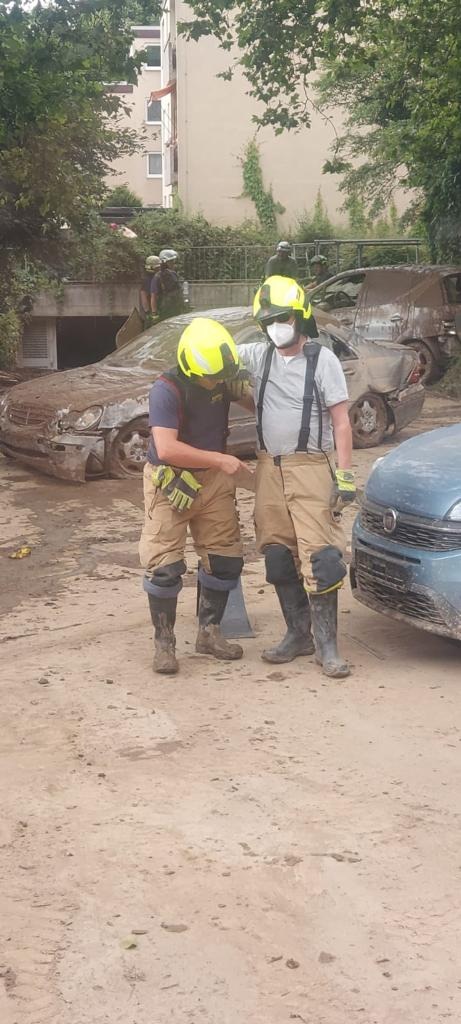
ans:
(430, 370)
(129, 449)
(369, 420)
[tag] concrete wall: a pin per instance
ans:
(119, 300)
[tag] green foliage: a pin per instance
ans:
(99, 254)
(394, 66)
(122, 196)
(451, 382)
(20, 280)
(253, 188)
(316, 224)
(59, 132)
(10, 336)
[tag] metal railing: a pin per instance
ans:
(247, 262)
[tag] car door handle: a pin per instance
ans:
(396, 319)
(348, 373)
(347, 323)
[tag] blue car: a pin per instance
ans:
(406, 542)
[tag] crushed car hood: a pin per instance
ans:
(87, 385)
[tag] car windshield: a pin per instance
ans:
(158, 344)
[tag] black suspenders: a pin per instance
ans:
(311, 351)
(262, 391)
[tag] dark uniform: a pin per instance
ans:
(283, 266)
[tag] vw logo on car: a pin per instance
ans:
(389, 520)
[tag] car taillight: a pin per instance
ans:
(416, 374)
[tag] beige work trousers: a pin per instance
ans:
(212, 520)
(293, 507)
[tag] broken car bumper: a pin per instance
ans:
(66, 456)
(407, 405)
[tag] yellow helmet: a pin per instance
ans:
(206, 349)
(278, 298)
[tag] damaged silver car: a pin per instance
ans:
(93, 421)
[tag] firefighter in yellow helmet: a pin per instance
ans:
(302, 412)
(189, 482)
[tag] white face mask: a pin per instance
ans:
(283, 335)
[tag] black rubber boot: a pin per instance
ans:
(163, 615)
(324, 612)
(297, 641)
(211, 609)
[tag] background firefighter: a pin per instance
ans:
(301, 399)
(166, 295)
(189, 483)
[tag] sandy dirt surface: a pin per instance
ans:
(238, 845)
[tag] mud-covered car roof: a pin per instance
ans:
(420, 269)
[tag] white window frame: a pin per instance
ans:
(154, 67)
(148, 101)
(155, 153)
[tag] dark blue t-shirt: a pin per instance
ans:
(201, 417)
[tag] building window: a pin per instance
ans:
(154, 112)
(154, 58)
(154, 165)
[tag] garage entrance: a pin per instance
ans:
(85, 339)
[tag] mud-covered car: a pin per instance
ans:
(92, 421)
(406, 544)
(409, 305)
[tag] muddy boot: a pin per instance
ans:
(298, 640)
(163, 615)
(324, 612)
(209, 639)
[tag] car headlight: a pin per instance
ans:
(84, 420)
(455, 512)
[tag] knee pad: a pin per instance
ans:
(225, 572)
(165, 581)
(328, 568)
(280, 564)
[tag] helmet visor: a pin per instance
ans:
(279, 318)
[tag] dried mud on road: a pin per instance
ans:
(238, 845)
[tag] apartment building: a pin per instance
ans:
(143, 171)
(194, 129)
(207, 123)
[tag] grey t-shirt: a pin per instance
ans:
(283, 399)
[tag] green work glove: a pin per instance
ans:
(163, 477)
(183, 491)
(344, 491)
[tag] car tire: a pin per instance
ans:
(369, 420)
(129, 449)
(430, 369)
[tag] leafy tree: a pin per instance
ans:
(394, 66)
(59, 130)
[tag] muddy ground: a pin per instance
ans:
(238, 845)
